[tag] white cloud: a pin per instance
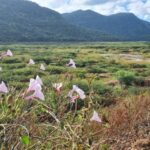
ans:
(141, 8)
(50, 3)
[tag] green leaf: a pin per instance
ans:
(25, 140)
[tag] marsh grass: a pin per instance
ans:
(57, 124)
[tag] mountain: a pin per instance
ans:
(25, 21)
(124, 25)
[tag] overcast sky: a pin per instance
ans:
(141, 8)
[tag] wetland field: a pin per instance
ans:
(75, 96)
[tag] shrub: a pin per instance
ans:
(96, 69)
(138, 65)
(56, 70)
(103, 100)
(139, 81)
(126, 78)
(11, 60)
(100, 88)
(14, 66)
(103, 94)
(81, 75)
(83, 84)
(81, 63)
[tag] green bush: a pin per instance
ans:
(138, 65)
(103, 101)
(83, 84)
(100, 88)
(126, 78)
(56, 69)
(13, 66)
(11, 60)
(139, 81)
(47, 60)
(96, 69)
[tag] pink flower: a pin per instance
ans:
(9, 53)
(79, 94)
(79, 91)
(38, 79)
(42, 67)
(71, 64)
(34, 90)
(95, 117)
(3, 88)
(31, 62)
(33, 85)
(57, 87)
(36, 93)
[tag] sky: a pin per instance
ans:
(140, 8)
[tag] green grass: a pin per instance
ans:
(30, 125)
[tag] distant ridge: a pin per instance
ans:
(25, 21)
(124, 25)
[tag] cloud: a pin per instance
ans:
(50, 3)
(141, 8)
(97, 2)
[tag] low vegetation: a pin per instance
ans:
(117, 87)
